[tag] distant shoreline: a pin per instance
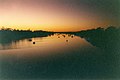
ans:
(101, 35)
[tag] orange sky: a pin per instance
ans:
(54, 15)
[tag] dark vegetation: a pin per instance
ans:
(86, 64)
(106, 39)
(8, 35)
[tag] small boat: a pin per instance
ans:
(63, 36)
(72, 36)
(66, 40)
(33, 42)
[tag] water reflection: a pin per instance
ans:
(60, 56)
(30, 42)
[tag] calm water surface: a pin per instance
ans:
(57, 56)
(50, 41)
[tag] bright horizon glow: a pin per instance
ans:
(54, 15)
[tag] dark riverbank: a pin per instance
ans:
(93, 56)
(8, 36)
(106, 39)
(98, 37)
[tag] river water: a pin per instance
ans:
(59, 56)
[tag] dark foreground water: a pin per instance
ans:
(58, 57)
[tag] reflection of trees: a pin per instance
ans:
(86, 64)
(7, 35)
(107, 39)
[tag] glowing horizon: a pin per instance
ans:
(58, 15)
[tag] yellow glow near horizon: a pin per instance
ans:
(51, 16)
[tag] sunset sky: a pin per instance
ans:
(59, 15)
